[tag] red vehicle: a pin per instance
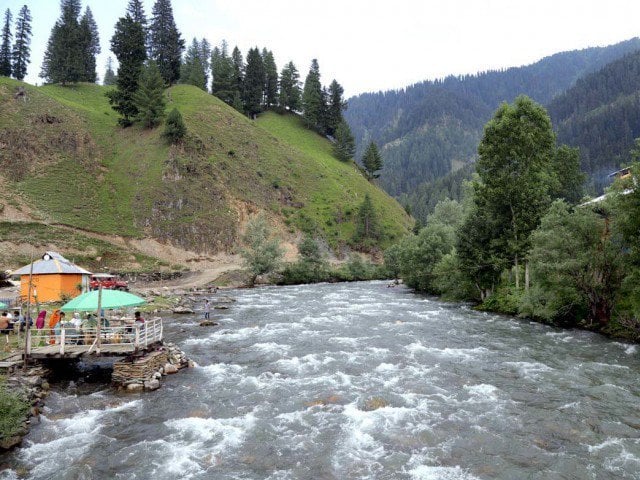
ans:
(107, 281)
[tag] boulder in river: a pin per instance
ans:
(170, 368)
(153, 384)
(208, 323)
(182, 309)
(225, 299)
(221, 307)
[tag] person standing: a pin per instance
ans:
(207, 309)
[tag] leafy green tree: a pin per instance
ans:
(577, 268)
(262, 253)
(21, 54)
(449, 279)
(64, 57)
(194, 67)
(5, 46)
(89, 39)
(367, 224)
(174, 127)
(165, 43)
(515, 166)
(570, 179)
(310, 268)
(344, 147)
(254, 81)
(448, 212)
(372, 160)
(312, 98)
(290, 91)
(392, 260)
(271, 79)
(149, 98)
(109, 75)
(128, 45)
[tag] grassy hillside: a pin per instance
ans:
(63, 156)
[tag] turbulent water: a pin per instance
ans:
(355, 381)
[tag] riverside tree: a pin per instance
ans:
(21, 54)
(262, 253)
(165, 43)
(5, 46)
(128, 46)
(367, 224)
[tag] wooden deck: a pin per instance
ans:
(75, 351)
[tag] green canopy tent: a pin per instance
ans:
(102, 299)
(3, 305)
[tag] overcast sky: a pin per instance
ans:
(370, 45)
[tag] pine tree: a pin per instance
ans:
(149, 98)
(165, 44)
(21, 55)
(193, 70)
(254, 81)
(223, 83)
(109, 75)
(90, 42)
(344, 147)
(290, 91)
(205, 58)
(367, 227)
(63, 58)
(136, 10)
(336, 105)
(271, 79)
(128, 46)
(5, 47)
(312, 97)
(372, 161)
(238, 71)
(174, 128)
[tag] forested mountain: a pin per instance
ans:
(601, 115)
(432, 128)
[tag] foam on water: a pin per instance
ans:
(424, 472)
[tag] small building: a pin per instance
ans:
(54, 277)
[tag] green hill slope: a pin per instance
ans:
(63, 156)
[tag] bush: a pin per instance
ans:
(13, 410)
(174, 129)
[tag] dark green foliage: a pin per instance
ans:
(90, 44)
(195, 66)
(64, 57)
(311, 268)
(290, 91)
(372, 161)
(345, 146)
(109, 75)
(238, 70)
(165, 43)
(21, 54)
(570, 180)
(262, 253)
(367, 227)
(128, 46)
(135, 9)
(174, 128)
(149, 98)
(335, 105)
(14, 409)
(270, 79)
(224, 81)
(254, 81)
(5, 46)
(312, 98)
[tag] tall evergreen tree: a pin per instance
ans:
(193, 70)
(205, 56)
(271, 79)
(372, 160)
(165, 44)
(136, 10)
(149, 98)
(345, 145)
(63, 59)
(238, 70)
(290, 91)
(5, 46)
(312, 97)
(367, 224)
(223, 83)
(336, 104)
(128, 46)
(109, 75)
(90, 42)
(254, 81)
(21, 55)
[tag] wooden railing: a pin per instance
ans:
(139, 335)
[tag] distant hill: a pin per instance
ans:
(64, 161)
(600, 114)
(432, 128)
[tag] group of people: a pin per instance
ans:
(10, 321)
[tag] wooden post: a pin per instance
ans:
(27, 319)
(137, 339)
(62, 340)
(99, 319)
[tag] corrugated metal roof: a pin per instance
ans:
(51, 263)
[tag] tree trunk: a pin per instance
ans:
(517, 273)
(526, 276)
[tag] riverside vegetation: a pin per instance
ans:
(521, 243)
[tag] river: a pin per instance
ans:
(355, 381)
